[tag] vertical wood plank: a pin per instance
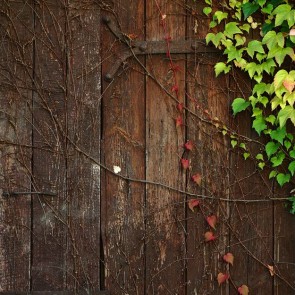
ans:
(123, 145)
(84, 86)
(284, 241)
(165, 246)
(208, 109)
(49, 269)
(16, 24)
(251, 232)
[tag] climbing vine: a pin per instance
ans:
(258, 37)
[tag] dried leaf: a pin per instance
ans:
(271, 270)
(243, 290)
(116, 169)
(174, 88)
(192, 203)
(197, 179)
(222, 277)
(163, 16)
(212, 221)
(185, 163)
(209, 236)
(229, 258)
(289, 85)
(180, 107)
(179, 121)
(188, 145)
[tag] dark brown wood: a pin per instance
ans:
(83, 170)
(16, 24)
(251, 225)
(50, 129)
(98, 292)
(123, 145)
(165, 247)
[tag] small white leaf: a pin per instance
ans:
(117, 169)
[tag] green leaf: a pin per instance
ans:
(279, 134)
(271, 119)
(271, 148)
(251, 68)
(270, 39)
(254, 46)
(259, 88)
(245, 27)
(287, 144)
(220, 15)
(283, 178)
(259, 124)
(292, 154)
(231, 29)
(279, 78)
(207, 10)
(239, 104)
(249, 8)
(278, 159)
(272, 174)
(246, 155)
(286, 113)
(291, 168)
(259, 157)
(281, 12)
(233, 143)
(267, 9)
(221, 67)
(261, 165)
(242, 146)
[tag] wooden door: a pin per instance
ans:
(98, 99)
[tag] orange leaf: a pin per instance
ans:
(222, 277)
(185, 163)
(271, 270)
(209, 236)
(193, 203)
(243, 290)
(229, 258)
(212, 221)
(197, 178)
(175, 89)
(188, 145)
(289, 85)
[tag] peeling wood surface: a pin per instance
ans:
(65, 131)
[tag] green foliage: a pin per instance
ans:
(271, 102)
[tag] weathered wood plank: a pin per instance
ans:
(284, 241)
(49, 269)
(165, 246)
(84, 86)
(123, 145)
(251, 225)
(16, 25)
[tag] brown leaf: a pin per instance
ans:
(209, 236)
(212, 221)
(197, 179)
(222, 277)
(271, 270)
(192, 203)
(243, 290)
(229, 258)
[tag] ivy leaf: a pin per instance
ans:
(289, 83)
(278, 160)
(281, 12)
(192, 203)
(272, 174)
(221, 278)
(283, 178)
(286, 113)
(212, 221)
(220, 15)
(239, 104)
(209, 236)
(188, 145)
(232, 28)
(185, 163)
(292, 154)
(197, 178)
(207, 10)
(229, 258)
(271, 148)
(254, 46)
(243, 290)
(221, 67)
(259, 124)
(249, 8)
(270, 39)
(280, 76)
(279, 134)
(291, 168)
(246, 156)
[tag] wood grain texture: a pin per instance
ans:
(50, 129)
(165, 247)
(251, 225)
(16, 24)
(83, 107)
(123, 145)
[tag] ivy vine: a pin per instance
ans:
(267, 60)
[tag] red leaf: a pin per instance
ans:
(180, 107)
(209, 236)
(222, 277)
(174, 88)
(179, 121)
(193, 203)
(185, 163)
(197, 178)
(167, 38)
(243, 290)
(229, 258)
(189, 145)
(212, 221)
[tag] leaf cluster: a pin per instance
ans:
(265, 59)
